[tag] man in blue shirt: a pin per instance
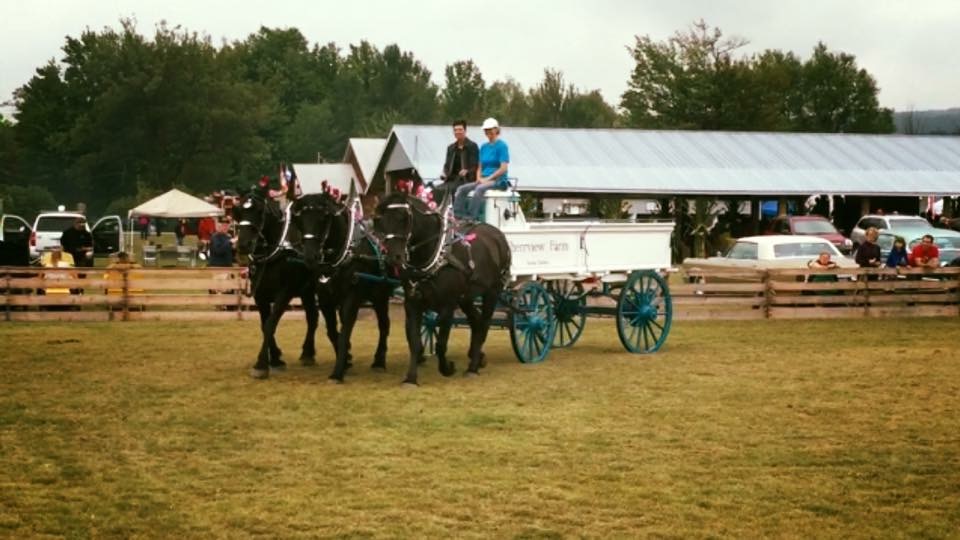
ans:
(492, 173)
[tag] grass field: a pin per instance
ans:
(785, 429)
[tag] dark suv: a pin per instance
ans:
(811, 226)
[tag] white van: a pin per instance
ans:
(49, 226)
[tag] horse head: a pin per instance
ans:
(259, 222)
(403, 223)
(319, 218)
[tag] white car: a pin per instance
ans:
(894, 223)
(49, 226)
(772, 251)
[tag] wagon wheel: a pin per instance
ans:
(532, 323)
(644, 312)
(569, 303)
(429, 332)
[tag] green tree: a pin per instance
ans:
(464, 92)
(685, 82)
(8, 152)
(837, 96)
(693, 81)
(26, 201)
(553, 103)
(508, 103)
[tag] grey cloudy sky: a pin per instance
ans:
(909, 46)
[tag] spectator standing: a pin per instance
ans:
(868, 255)
(898, 257)
(181, 231)
(78, 242)
(221, 247)
(926, 254)
(144, 223)
(205, 229)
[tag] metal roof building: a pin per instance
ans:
(714, 163)
(364, 155)
(338, 175)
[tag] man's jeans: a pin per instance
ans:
(464, 206)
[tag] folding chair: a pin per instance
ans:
(149, 255)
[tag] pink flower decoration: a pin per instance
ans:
(432, 205)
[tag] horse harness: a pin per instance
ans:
(443, 254)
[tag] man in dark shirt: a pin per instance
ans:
(221, 247)
(868, 254)
(78, 241)
(461, 163)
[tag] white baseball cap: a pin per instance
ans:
(490, 123)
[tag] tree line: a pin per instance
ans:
(122, 117)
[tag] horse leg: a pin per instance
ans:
(473, 319)
(483, 326)
(280, 305)
(329, 310)
(261, 369)
(444, 322)
(413, 319)
(382, 307)
(308, 354)
(349, 308)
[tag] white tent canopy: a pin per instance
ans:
(176, 204)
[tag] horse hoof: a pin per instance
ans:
(308, 361)
(259, 373)
(378, 368)
(278, 367)
(409, 385)
(334, 380)
(450, 371)
(483, 360)
(471, 374)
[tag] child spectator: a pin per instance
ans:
(898, 254)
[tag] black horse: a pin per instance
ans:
(442, 270)
(351, 267)
(277, 275)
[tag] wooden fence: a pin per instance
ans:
(816, 294)
(96, 294)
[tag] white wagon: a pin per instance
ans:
(559, 265)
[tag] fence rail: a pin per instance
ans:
(91, 294)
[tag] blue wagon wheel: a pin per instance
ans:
(532, 323)
(428, 333)
(644, 312)
(569, 303)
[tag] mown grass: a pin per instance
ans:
(792, 429)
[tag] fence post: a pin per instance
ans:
(7, 310)
(866, 292)
(958, 292)
(242, 286)
(126, 294)
(767, 293)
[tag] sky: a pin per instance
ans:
(909, 46)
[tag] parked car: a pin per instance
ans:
(812, 226)
(771, 251)
(14, 241)
(896, 224)
(946, 240)
(49, 226)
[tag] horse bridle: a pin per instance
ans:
(409, 209)
(261, 239)
(348, 240)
